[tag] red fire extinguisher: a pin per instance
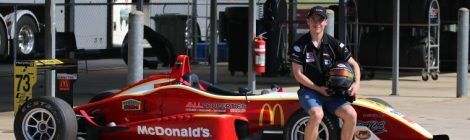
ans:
(260, 53)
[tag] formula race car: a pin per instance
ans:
(177, 105)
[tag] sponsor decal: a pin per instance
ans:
(188, 132)
(131, 105)
(64, 85)
(309, 57)
(297, 48)
(341, 65)
(374, 126)
(215, 107)
(272, 113)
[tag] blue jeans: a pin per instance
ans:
(309, 99)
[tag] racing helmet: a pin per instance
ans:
(340, 76)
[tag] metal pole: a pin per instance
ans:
(136, 50)
(70, 15)
(330, 28)
(251, 36)
(342, 21)
(50, 74)
(292, 18)
(194, 24)
(214, 41)
(462, 53)
(396, 47)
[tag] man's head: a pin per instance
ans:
(316, 19)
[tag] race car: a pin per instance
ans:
(177, 105)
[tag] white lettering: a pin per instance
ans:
(142, 130)
(174, 132)
(196, 132)
(151, 131)
(184, 132)
(159, 131)
(206, 133)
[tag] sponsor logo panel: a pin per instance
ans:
(131, 105)
(215, 107)
(374, 126)
(272, 111)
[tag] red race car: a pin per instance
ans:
(177, 105)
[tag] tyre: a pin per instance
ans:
(3, 41)
(380, 101)
(25, 30)
(103, 95)
(328, 130)
(45, 118)
(161, 48)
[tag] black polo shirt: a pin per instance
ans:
(317, 61)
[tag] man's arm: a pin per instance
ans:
(357, 75)
(302, 79)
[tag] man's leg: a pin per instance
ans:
(311, 130)
(349, 117)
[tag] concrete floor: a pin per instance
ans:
(432, 104)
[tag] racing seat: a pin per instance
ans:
(192, 79)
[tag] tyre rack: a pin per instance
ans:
(432, 31)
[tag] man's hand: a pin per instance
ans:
(322, 90)
(354, 88)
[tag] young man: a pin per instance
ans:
(311, 56)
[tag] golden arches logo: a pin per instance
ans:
(272, 113)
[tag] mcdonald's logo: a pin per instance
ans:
(64, 85)
(272, 113)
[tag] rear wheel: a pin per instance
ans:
(102, 95)
(25, 30)
(45, 118)
(328, 130)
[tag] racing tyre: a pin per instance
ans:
(25, 30)
(103, 95)
(45, 118)
(328, 130)
(380, 101)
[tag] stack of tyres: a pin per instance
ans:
(449, 9)
(236, 20)
(385, 49)
(173, 27)
(385, 11)
(368, 49)
(274, 15)
(448, 50)
(366, 10)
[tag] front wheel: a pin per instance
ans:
(45, 118)
(328, 130)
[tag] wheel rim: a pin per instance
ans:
(39, 124)
(26, 40)
(297, 132)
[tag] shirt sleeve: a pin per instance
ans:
(343, 52)
(295, 54)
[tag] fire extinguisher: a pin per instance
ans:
(260, 54)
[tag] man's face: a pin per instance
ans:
(316, 23)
